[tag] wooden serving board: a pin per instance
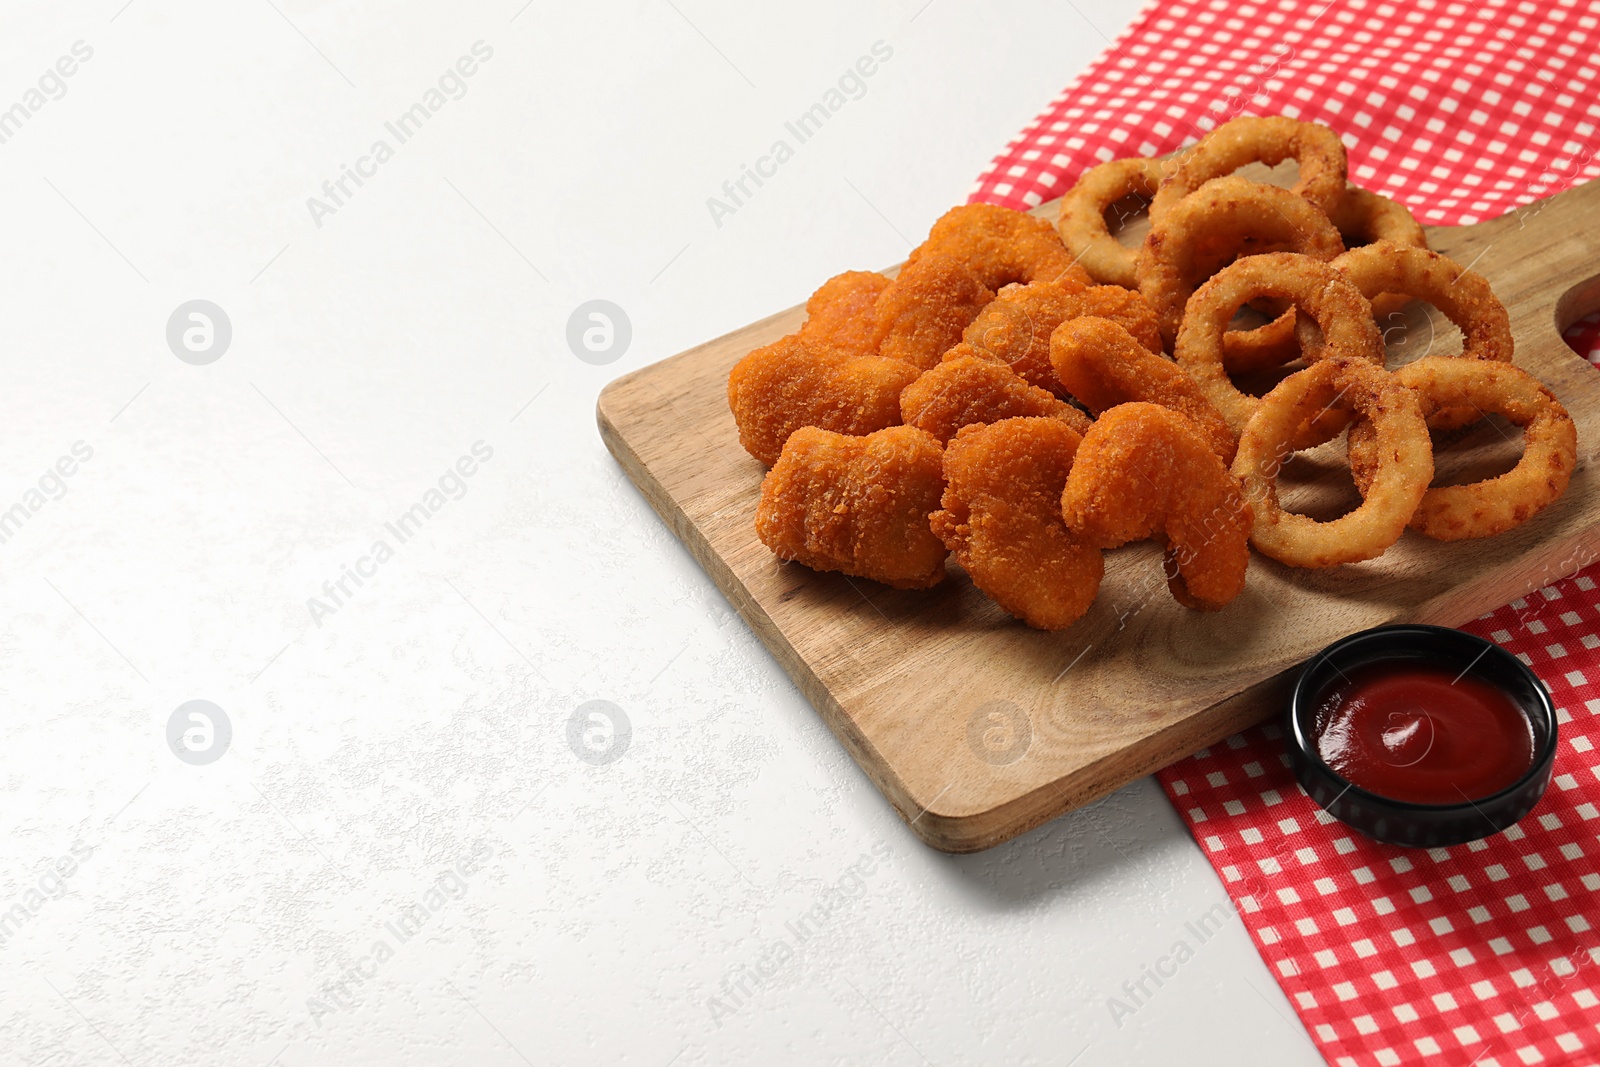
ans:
(978, 728)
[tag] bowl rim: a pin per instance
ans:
(1544, 706)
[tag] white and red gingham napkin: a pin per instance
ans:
(1485, 954)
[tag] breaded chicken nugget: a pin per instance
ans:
(1101, 364)
(842, 312)
(1002, 519)
(1144, 470)
(967, 389)
(796, 382)
(921, 315)
(1001, 245)
(857, 504)
(1016, 327)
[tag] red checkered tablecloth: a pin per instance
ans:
(1485, 954)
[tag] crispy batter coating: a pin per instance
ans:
(1082, 218)
(921, 315)
(1002, 246)
(1223, 219)
(1102, 365)
(1363, 217)
(1016, 327)
(858, 505)
(1002, 519)
(842, 312)
(967, 389)
(1464, 296)
(1486, 508)
(1144, 471)
(1401, 474)
(1269, 140)
(795, 382)
(1315, 287)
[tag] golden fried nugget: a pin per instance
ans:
(967, 389)
(921, 315)
(857, 504)
(1143, 470)
(1016, 327)
(1001, 245)
(842, 312)
(795, 382)
(1002, 519)
(1101, 364)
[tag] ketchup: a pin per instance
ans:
(1418, 733)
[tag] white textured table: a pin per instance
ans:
(378, 532)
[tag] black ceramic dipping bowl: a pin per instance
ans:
(1401, 822)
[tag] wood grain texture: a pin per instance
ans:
(932, 691)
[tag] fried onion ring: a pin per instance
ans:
(858, 505)
(1272, 140)
(1228, 217)
(922, 313)
(1016, 327)
(796, 382)
(1363, 217)
(1337, 307)
(1144, 470)
(1463, 296)
(1102, 365)
(970, 390)
(1400, 476)
(840, 313)
(1082, 218)
(1486, 508)
(1002, 518)
(1002, 246)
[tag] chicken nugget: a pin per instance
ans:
(1144, 470)
(1016, 327)
(1101, 364)
(797, 382)
(1001, 517)
(921, 315)
(858, 505)
(1001, 245)
(841, 313)
(966, 389)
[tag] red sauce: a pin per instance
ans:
(1412, 732)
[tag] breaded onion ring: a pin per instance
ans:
(1227, 217)
(1002, 518)
(1101, 364)
(1463, 296)
(841, 312)
(922, 313)
(1144, 470)
(1363, 217)
(967, 389)
(1082, 218)
(1230, 146)
(1002, 246)
(1016, 327)
(1486, 508)
(1337, 306)
(794, 382)
(857, 504)
(1400, 476)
